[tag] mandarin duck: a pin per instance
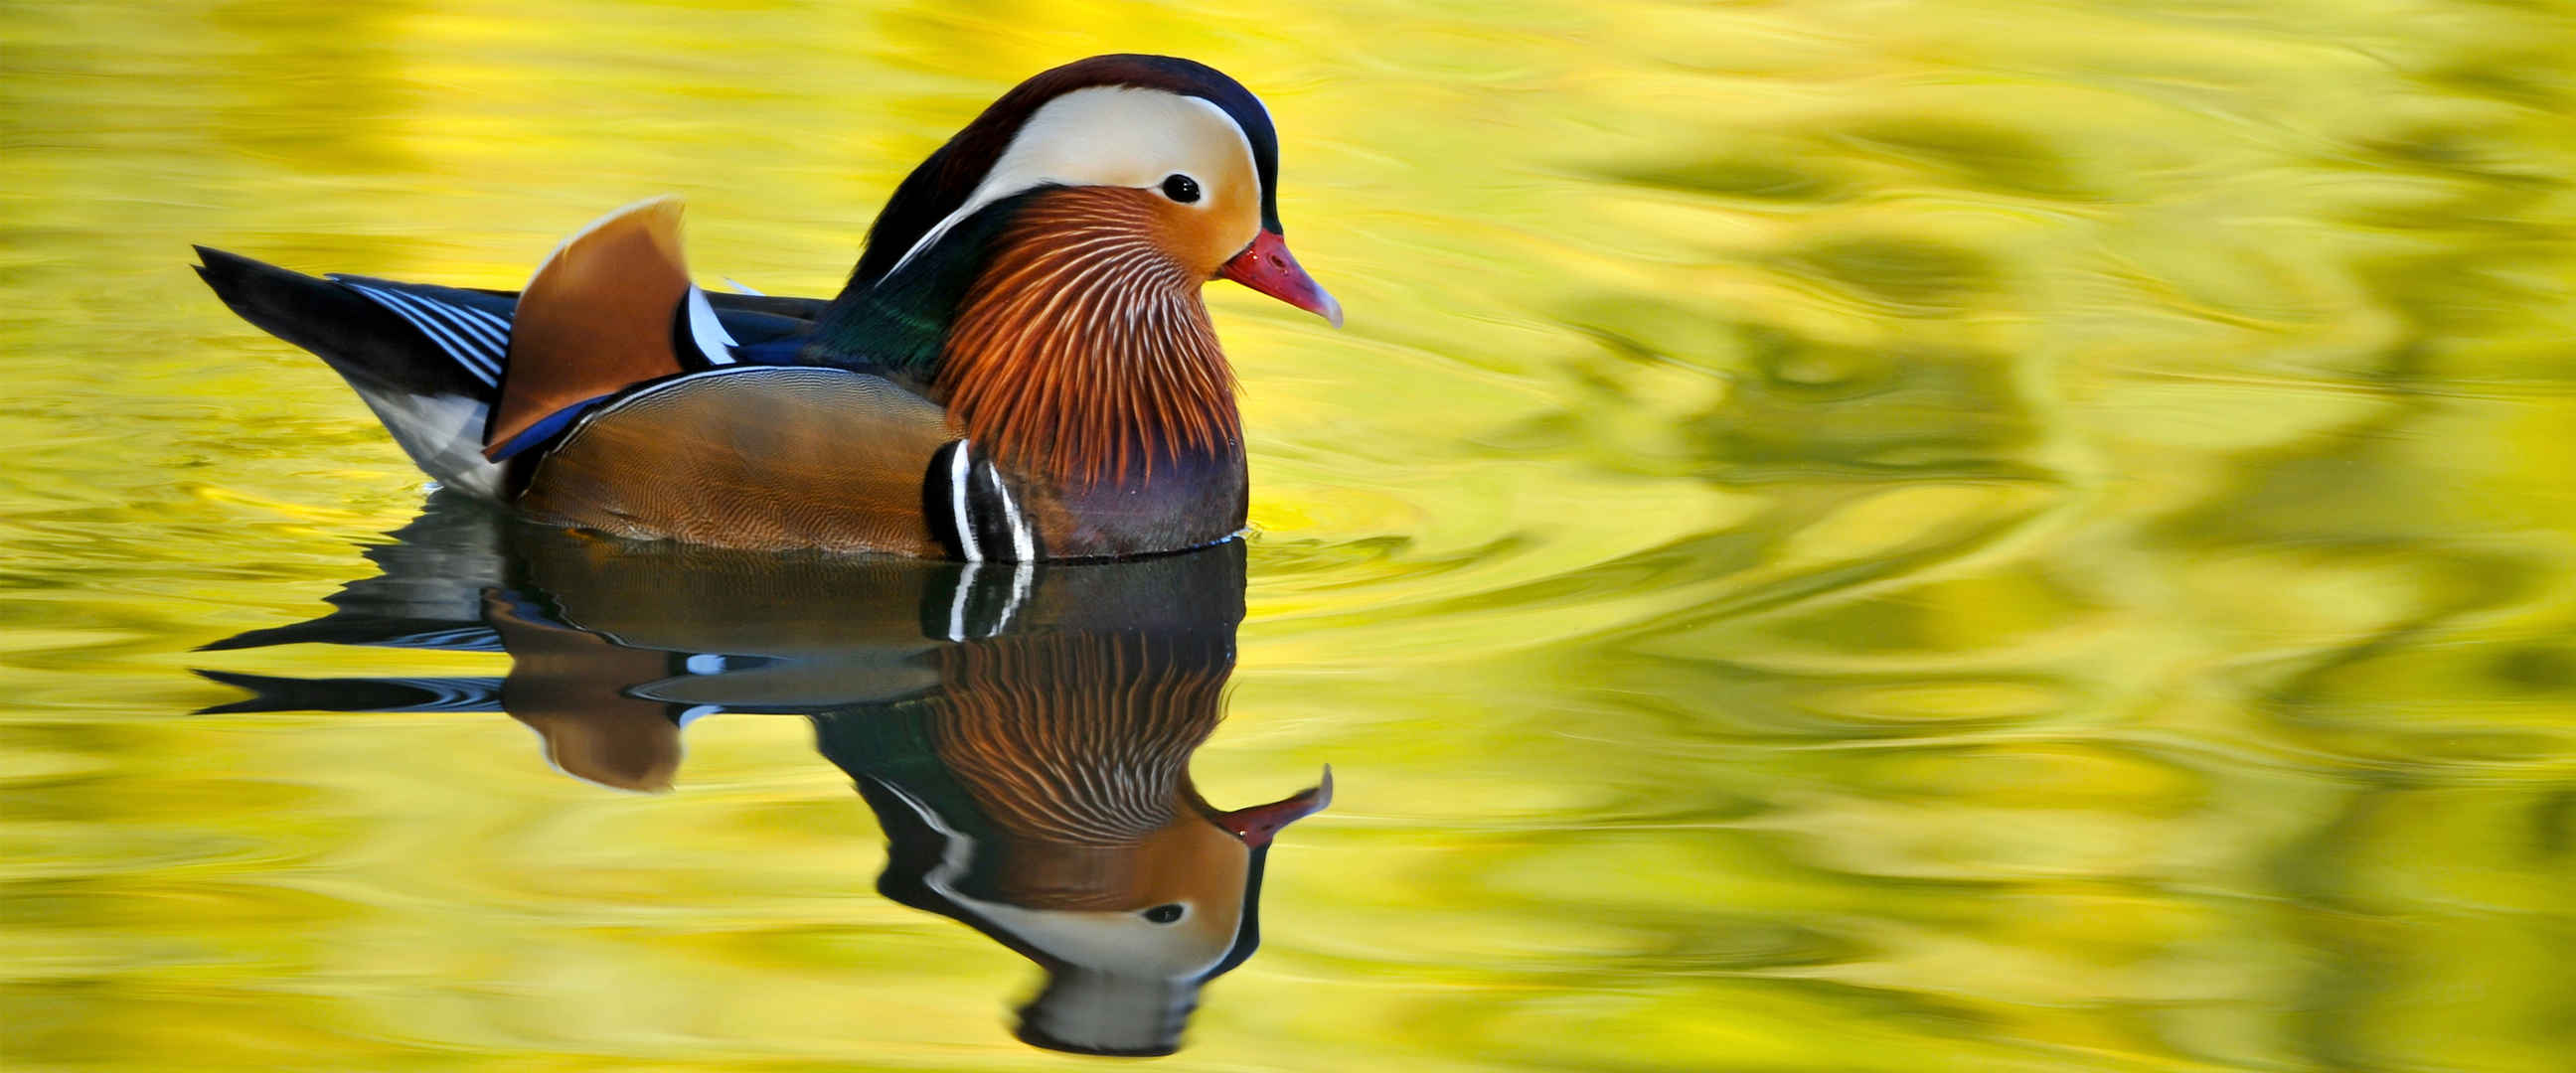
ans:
(1023, 732)
(1019, 368)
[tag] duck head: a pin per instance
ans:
(1127, 932)
(1160, 125)
(1123, 980)
(1039, 274)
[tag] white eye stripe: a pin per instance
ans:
(1102, 136)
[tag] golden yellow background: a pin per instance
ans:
(1841, 535)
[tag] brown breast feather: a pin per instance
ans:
(1083, 354)
(1078, 738)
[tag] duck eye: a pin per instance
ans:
(1180, 188)
(1165, 914)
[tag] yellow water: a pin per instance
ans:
(1840, 535)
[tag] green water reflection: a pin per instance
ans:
(1839, 536)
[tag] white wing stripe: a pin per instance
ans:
(456, 314)
(448, 314)
(409, 317)
(460, 350)
(499, 324)
(463, 353)
(452, 694)
(459, 639)
(438, 313)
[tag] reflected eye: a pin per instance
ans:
(1165, 914)
(1183, 189)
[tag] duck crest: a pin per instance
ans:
(1082, 352)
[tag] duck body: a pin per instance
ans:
(1021, 367)
(803, 456)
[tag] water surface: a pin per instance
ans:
(1839, 536)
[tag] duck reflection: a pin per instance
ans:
(1023, 732)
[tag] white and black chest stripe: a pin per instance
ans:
(983, 603)
(972, 511)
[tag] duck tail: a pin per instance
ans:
(426, 359)
(375, 631)
(271, 693)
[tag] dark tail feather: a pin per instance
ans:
(424, 361)
(370, 346)
(270, 693)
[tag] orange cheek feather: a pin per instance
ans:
(1203, 239)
